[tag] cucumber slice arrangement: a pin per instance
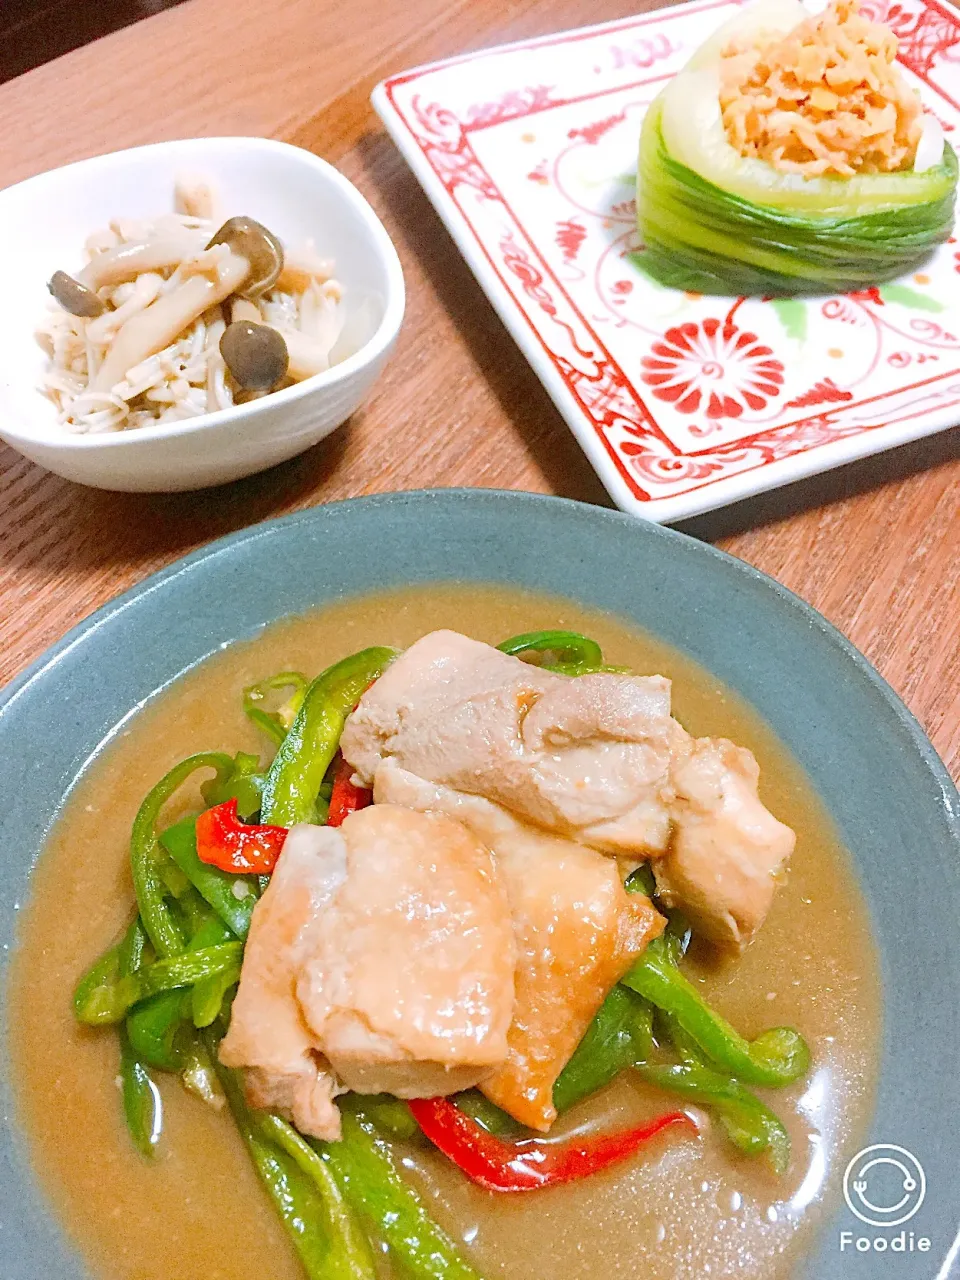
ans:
(715, 221)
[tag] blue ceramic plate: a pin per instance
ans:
(894, 803)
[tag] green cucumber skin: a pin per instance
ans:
(700, 238)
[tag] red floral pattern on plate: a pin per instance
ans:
(570, 236)
(592, 133)
(926, 33)
(823, 392)
(714, 364)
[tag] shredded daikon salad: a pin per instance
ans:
(171, 318)
(826, 99)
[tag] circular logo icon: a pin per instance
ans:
(884, 1185)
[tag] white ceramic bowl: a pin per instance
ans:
(46, 220)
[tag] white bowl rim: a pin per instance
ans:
(372, 350)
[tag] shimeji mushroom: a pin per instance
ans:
(159, 324)
(142, 291)
(241, 262)
(194, 197)
(306, 356)
(255, 354)
(127, 261)
(301, 267)
(251, 240)
(75, 296)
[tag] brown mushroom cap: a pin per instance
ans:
(77, 298)
(261, 248)
(255, 354)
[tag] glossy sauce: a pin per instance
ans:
(689, 1211)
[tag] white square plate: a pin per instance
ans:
(682, 403)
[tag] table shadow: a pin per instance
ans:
(97, 527)
(860, 477)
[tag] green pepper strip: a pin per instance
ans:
(214, 885)
(189, 968)
(153, 1028)
(584, 669)
(777, 1057)
(391, 1115)
(297, 773)
(620, 1035)
(674, 943)
(364, 1168)
(206, 998)
(93, 999)
(199, 1076)
(275, 724)
(156, 1026)
(190, 905)
(142, 1107)
(146, 857)
(641, 880)
(295, 1198)
(675, 940)
(110, 1002)
(175, 881)
(350, 1255)
(487, 1114)
(752, 1127)
(570, 647)
(244, 784)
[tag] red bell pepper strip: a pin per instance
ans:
(244, 848)
(346, 798)
(527, 1166)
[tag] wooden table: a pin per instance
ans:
(34, 31)
(873, 546)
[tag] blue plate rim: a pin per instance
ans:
(156, 580)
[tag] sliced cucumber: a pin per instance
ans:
(765, 17)
(716, 221)
(700, 236)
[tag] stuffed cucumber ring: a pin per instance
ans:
(789, 156)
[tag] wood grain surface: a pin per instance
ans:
(874, 546)
(36, 31)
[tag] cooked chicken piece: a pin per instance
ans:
(586, 758)
(727, 850)
(267, 1031)
(412, 986)
(577, 933)
(598, 759)
(380, 957)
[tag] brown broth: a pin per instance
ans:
(687, 1211)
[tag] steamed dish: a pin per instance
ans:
(442, 945)
(184, 314)
(790, 155)
(826, 99)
